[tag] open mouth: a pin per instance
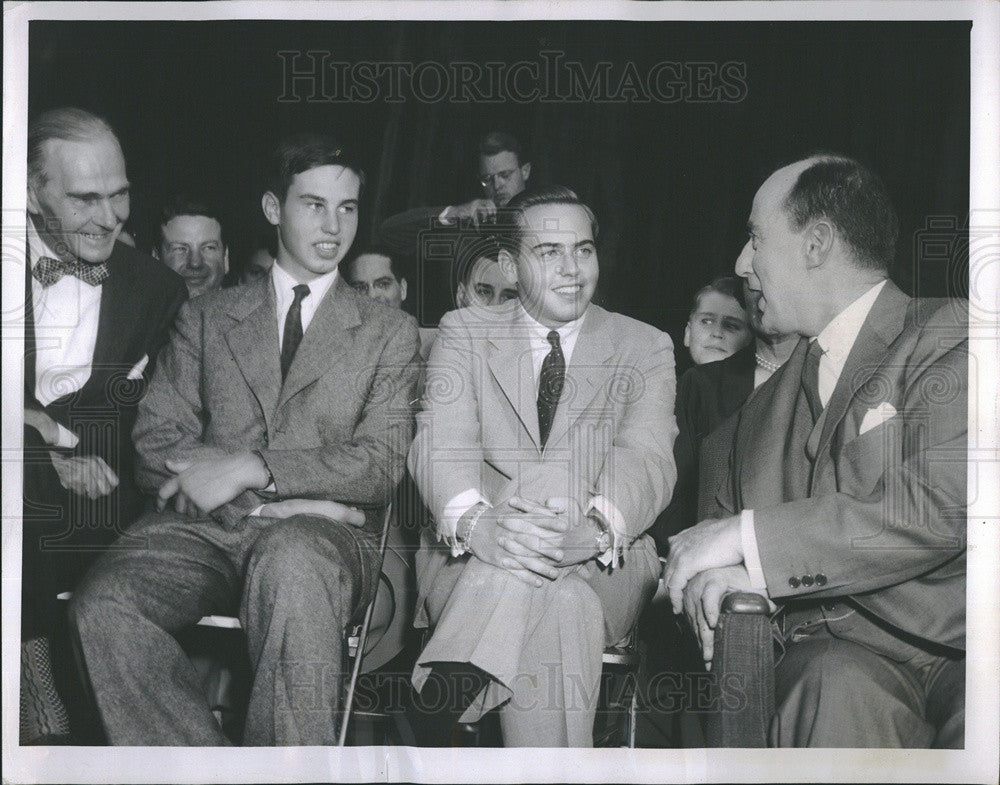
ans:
(570, 290)
(327, 250)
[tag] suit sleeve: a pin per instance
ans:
(905, 512)
(639, 470)
(446, 457)
(680, 512)
(365, 470)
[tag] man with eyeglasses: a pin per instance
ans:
(503, 174)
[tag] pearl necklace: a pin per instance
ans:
(767, 365)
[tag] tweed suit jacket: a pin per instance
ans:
(336, 429)
(883, 519)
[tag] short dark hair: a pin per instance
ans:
(724, 285)
(855, 200)
(69, 123)
(304, 151)
(494, 142)
(182, 204)
(373, 249)
(510, 229)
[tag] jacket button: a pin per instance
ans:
(820, 579)
(793, 582)
(807, 580)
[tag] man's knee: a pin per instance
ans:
(575, 600)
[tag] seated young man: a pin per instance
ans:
(544, 451)
(272, 402)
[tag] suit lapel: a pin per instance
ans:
(120, 310)
(509, 341)
(253, 342)
(324, 340)
(589, 371)
(880, 329)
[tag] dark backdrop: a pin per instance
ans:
(198, 104)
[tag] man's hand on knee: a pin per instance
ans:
(327, 509)
(557, 531)
(210, 483)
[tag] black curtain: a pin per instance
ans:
(670, 173)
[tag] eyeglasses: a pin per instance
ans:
(498, 177)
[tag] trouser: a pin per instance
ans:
(297, 582)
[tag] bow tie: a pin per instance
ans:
(49, 270)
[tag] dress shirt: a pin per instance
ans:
(836, 340)
(65, 317)
(605, 510)
(283, 296)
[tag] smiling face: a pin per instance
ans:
(192, 246)
(717, 329)
(773, 261)
(556, 265)
(84, 201)
(316, 222)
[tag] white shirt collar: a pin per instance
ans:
(838, 337)
(539, 332)
(37, 247)
(285, 283)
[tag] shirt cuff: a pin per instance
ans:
(255, 512)
(65, 438)
(443, 216)
(751, 555)
(612, 519)
(453, 511)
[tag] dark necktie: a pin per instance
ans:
(293, 329)
(48, 271)
(550, 385)
(810, 379)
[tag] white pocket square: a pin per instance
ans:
(136, 373)
(876, 416)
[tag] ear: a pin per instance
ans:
(508, 266)
(819, 240)
(687, 335)
(33, 206)
(402, 289)
(272, 208)
(526, 171)
(225, 261)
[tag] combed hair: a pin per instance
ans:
(376, 249)
(304, 151)
(183, 204)
(854, 200)
(726, 285)
(509, 226)
(68, 123)
(494, 142)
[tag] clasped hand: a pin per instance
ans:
(535, 541)
(201, 485)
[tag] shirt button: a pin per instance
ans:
(793, 582)
(820, 579)
(807, 580)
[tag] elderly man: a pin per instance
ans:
(845, 500)
(544, 453)
(192, 244)
(274, 403)
(97, 313)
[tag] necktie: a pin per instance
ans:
(810, 379)
(550, 385)
(48, 271)
(293, 329)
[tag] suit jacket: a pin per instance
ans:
(613, 430)
(867, 507)
(706, 395)
(63, 530)
(337, 428)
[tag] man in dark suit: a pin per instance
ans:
(97, 313)
(272, 404)
(845, 501)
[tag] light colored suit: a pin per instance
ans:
(336, 429)
(860, 520)
(612, 435)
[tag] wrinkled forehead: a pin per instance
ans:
(83, 160)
